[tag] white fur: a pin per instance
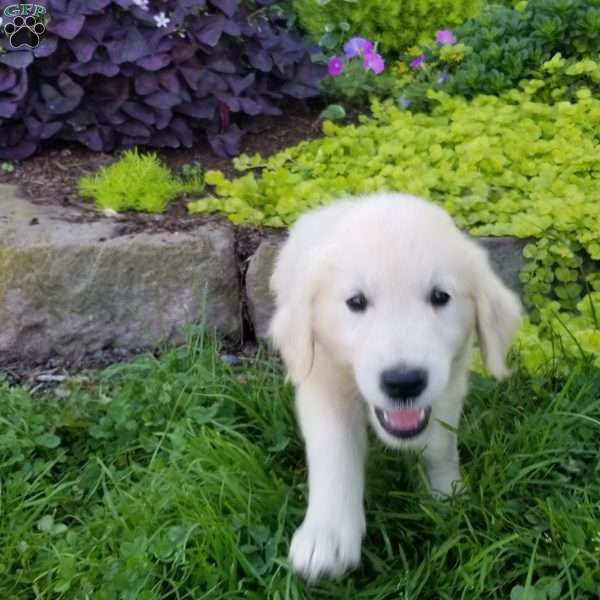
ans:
(394, 248)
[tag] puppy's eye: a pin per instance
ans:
(358, 303)
(439, 297)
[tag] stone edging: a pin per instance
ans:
(70, 290)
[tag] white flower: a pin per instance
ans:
(161, 19)
(143, 4)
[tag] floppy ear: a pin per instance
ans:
(498, 316)
(294, 285)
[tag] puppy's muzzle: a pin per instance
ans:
(403, 384)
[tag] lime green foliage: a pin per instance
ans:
(394, 24)
(137, 182)
(500, 165)
(566, 79)
(180, 477)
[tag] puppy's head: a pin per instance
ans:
(388, 290)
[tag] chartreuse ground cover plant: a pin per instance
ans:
(182, 477)
(501, 165)
(138, 182)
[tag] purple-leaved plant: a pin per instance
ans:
(114, 73)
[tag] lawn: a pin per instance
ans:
(183, 477)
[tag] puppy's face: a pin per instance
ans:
(390, 294)
(396, 308)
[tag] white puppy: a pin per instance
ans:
(377, 299)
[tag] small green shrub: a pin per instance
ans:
(137, 182)
(394, 24)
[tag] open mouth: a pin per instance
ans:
(404, 423)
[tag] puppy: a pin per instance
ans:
(377, 300)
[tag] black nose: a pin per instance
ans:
(402, 383)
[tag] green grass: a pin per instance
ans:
(181, 477)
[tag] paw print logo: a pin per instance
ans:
(24, 32)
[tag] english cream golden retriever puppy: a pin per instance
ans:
(377, 300)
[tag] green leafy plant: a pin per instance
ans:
(504, 45)
(504, 165)
(356, 75)
(396, 25)
(333, 112)
(137, 182)
(192, 171)
(566, 79)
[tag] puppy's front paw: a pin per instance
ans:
(330, 550)
(444, 485)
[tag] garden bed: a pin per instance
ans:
(52, 176)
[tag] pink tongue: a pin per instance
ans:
(404, 419)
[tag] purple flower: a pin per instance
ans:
(445, 37)
(404, 102)
(357, 46)
(443, 76)
(373, 62)
(335, 66)
(418, 62)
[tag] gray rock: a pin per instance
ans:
(70, 289)
(258, 297)
(506, 256)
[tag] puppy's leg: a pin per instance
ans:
(442, 463)
(334, 428)
(441, 452)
